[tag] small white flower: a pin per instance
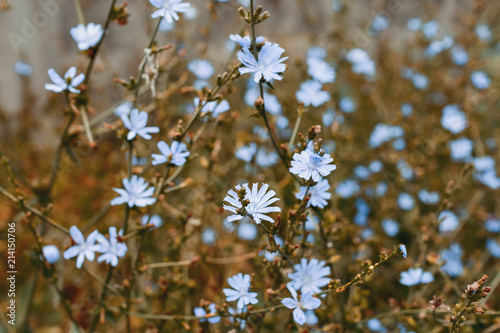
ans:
(203, 69)
(84, 248)
(267, 66)
(246, 41)
(453, 119)
(175, 154)
(241, 285)
(320, 70)
(111, 249)
(70, 82)
(306, 302)
(87, 36)
(135, 193)
(136, 124)
(169, 9)
(309, 165)
(50, 253)
(259, 201)
(319, 194)
(310, 93)
(310, 276)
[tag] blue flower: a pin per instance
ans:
(169, 9)
(493, 247)
(480, 80)
(246, 153)
(375, 325)
(453, 119)
(430, 29)
(320, 70)
(459, 56)
(265, 159)
(136, 125)
(83, 248)
(209, 236)
(319, 194)
(415, 276)
(305, 302)
(111, 249)
(310, 93)
(175, 154)
(402, 248)
(316, 52)
(50, 253)
(414, 24)
(309, 165)
(492, 225)
(214, 108)
(361, 62)
(135, 193)
(273, 105)
(200, 312)
(310, 276)
(453, 266)
(87, 36)
(429, 198)
(259, 203)
(246, 41)
(483, 32)
(241, 285)
(246, 230)
(22, 68)
(203, 69)
(155, 220)
(347, 188)
(123, 109)
(449, 221)
(383, 133)
(268, 64)
(391, 227)
(406, 201)
(461, 149)
(70, 82)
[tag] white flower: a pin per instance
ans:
(84, 248)
(87, 36)
(320, 70)
(203, 69)
(240, 284)
(246, 41)
(268, 65)
(50, 253)
(175, 154)
(480, 80)
(215, 108)
(135, 193)
(310, 93)
(310, 276)
(258, 206)
(70, 82)
(136, 124)
(306, 301)
(415, 276)
(169, 9)
(200, 312)
(154, 220)
(111, 249)
(309, 165)
(453, 119)
(318, 193)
